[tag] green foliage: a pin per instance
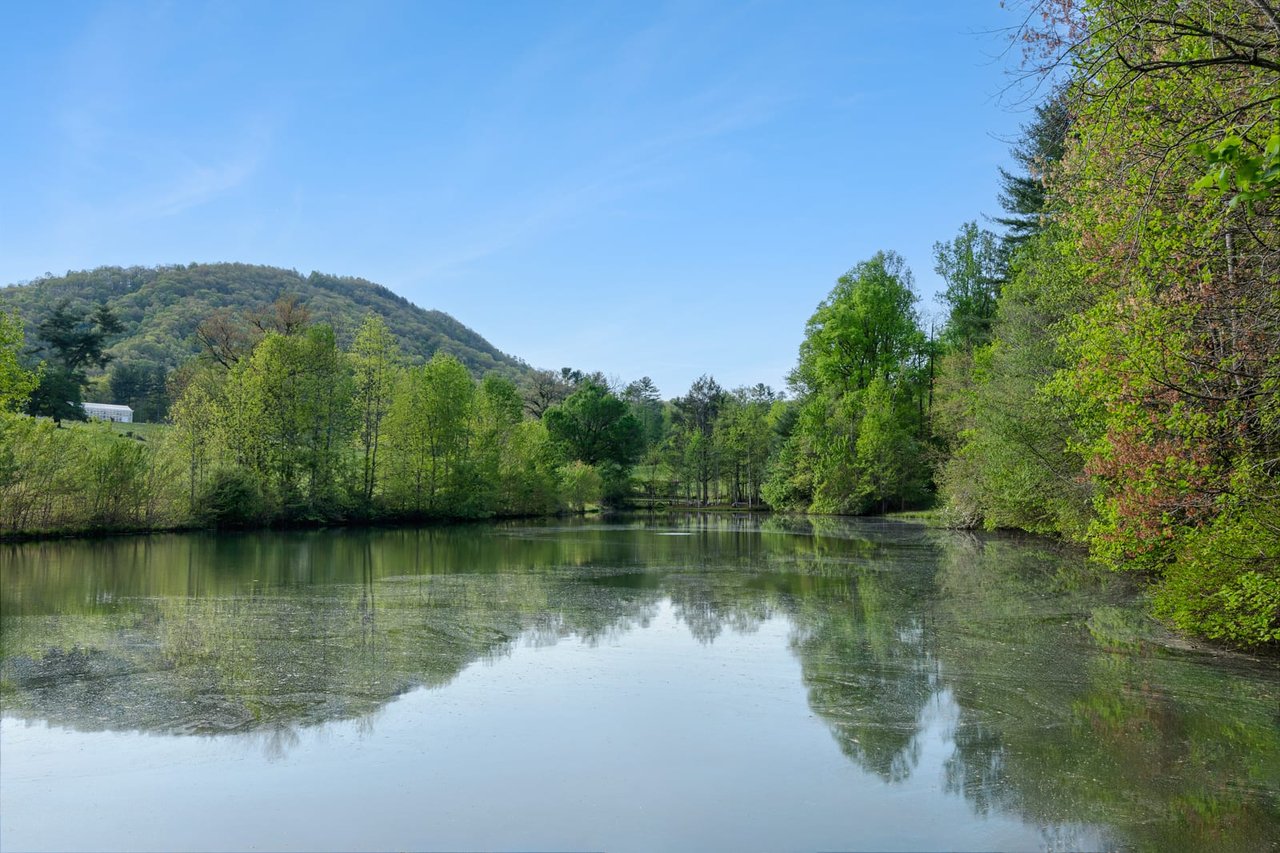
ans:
(1011, 462)
(1174, 361)
(230, 498)
(115, 472)
(73, 341)
(866, 327)
(59, 395)
(495, 417)
(581, 484)
(81, 477)
(289, 414)
(16, 382)
(77, 339)
(1134, 364)
(691, 449)
(527, 483)
(1221, 579)
(596, 427)
(1225, 584)
(1025, 195)
(1008, 460)
(789, 483)
(744, 439)
(375, 362)
(195, 432)
(1237, 174)
(974, 266)
(143, 387)
(427, 437)
(886, 456)
(646, 405)
(305, 425)
(863, 380)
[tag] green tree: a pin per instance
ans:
(1006, 443)
(595, 427)
(1011, 460)
(1024, 194)
(427, 432)
(142, 386)
(866, 331)
(580, 484)
(694, 419)
(288, 406)
(646, 404)
(375, 358)
(543, 389)
(973, 267)
(744, 439)
(495, 419)
(16, 382)
(72, 341)
(528, 472)
(77, 339)
(58, 395)
(1134, 359)
(193, 417)
(888, 457)
(866, 327)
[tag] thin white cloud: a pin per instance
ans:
(194, 183)
(116, 169)
(635, 168)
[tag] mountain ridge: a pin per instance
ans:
(161, 306)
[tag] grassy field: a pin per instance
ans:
(145, 432)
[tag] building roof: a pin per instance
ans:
(109, 407)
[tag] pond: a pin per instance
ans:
(678, 683)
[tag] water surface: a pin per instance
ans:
(749, 685)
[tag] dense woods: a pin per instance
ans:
(1107, 371)
(1127, 396)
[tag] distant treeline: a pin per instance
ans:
(275, 422)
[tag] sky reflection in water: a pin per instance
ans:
(752, 685)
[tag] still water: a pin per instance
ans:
(700, 682)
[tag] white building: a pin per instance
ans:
(109, 412)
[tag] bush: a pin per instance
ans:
(1225, 584)
(114, 472)
(230, 498)
(616, 484)
(580, 484)
(1242, 609)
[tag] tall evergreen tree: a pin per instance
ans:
(72, 341)
(1024, 194)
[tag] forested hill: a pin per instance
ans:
(160, 308)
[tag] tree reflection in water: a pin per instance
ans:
(1059, 702)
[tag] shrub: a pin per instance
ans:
(1225, 585)
(580, 484)
(230, 499)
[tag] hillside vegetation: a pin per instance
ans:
(160, 308)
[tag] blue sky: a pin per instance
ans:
(638, 188)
